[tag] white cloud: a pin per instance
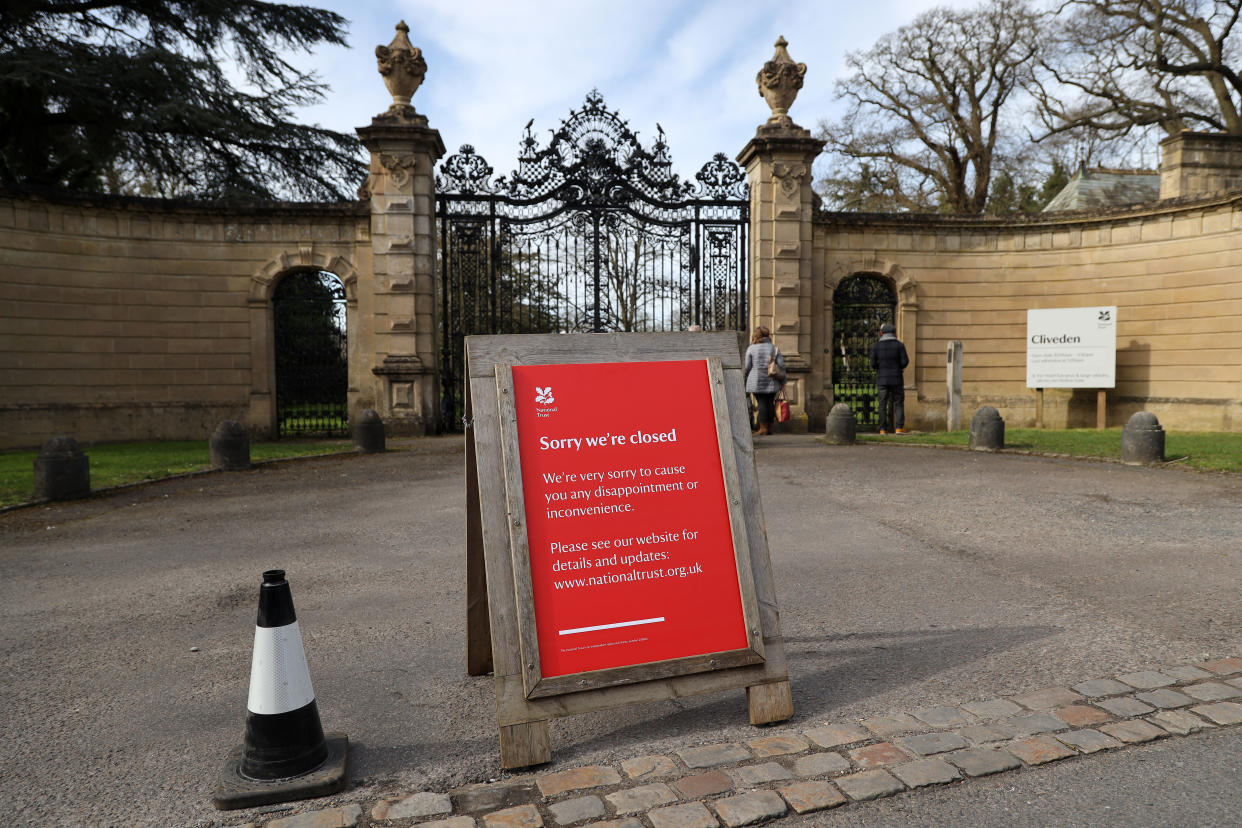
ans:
(690, 66)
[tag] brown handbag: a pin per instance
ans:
(774, 367)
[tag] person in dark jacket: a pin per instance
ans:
(755, 371)
(889, 359)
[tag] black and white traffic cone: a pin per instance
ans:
(285, 755)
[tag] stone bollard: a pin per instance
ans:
(987, 430)
(841, 426)
(369, 432)
(1142, 440)
(61, 471)
(230, 447)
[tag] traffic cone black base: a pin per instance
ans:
(285, 755)
(236, 790)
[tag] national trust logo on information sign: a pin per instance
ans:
(543, 399)
(1071, 347)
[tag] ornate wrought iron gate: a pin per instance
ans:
(593, 232)
(861, 304)
(312, 369)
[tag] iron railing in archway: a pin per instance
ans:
(592, 232)
(312, 368)
(861, 304)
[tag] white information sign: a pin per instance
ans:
(1071, 348)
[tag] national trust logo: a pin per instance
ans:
(543, 399)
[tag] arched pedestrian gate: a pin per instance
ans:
(312, 364)
(593, 232)
(861, 304)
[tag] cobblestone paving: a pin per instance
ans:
(828, 765)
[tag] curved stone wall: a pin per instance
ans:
(143, 319)
(1173, 269)
(127, 319)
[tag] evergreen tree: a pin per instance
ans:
(135, 96)
(311, 363)
(1003, 199)
(1053, 184)
(1008, 196)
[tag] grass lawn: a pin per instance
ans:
(1208, 451)
(117, 463)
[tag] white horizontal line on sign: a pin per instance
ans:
(613, 626)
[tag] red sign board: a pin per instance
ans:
(631, 554)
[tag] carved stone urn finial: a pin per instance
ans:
(779, 81)
(402, 66)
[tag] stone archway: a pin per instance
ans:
(264, 284)
(906, 290)
(861, 303)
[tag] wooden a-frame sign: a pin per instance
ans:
(615, 545)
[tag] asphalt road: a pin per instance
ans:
(907, 577)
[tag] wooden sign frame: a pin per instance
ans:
(500, 621)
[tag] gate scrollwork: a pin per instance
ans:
(593, 231)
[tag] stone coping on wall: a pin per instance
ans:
(176, 205)
(1219, 138)
(1067, 218)
(794, 771)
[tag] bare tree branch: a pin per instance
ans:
(136, 96)
(1121, 64)
(929, 107)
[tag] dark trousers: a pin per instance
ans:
(893, 396)
(766, 404)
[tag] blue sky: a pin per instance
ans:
(689, 66)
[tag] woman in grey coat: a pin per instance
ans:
(758, 382)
